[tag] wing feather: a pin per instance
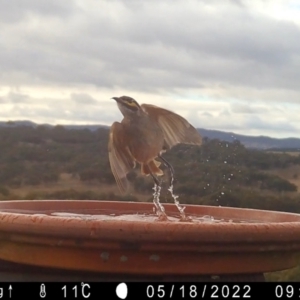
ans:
(176, 129)
(120, 158)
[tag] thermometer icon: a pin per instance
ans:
(42, 291)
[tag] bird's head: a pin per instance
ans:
(127, 105)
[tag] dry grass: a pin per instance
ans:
(292, 153)
(67, 181)
(292, 174)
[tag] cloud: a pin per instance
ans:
(83, 98)
(154, 45)
(243, 108)
(17, 11)
(216, 62)
(14, 97)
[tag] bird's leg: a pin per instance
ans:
(170, 189)
(160, 210)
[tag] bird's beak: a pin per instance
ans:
(115, 98)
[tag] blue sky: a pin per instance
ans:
(226, 65)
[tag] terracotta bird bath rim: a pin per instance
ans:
(125, 238)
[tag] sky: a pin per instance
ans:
(227, 65)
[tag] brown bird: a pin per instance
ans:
(146, 132)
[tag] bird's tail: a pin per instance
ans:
(151, 167)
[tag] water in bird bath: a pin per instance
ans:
(145, 217)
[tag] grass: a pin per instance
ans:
(292, 174)
(69, 182)
(290, 275)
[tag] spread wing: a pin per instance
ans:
(176, 129)
(121, 161)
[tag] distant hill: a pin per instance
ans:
(254, 142)
(32, 124)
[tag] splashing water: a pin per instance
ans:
(159, 208)
(180, 208)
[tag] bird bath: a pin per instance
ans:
(125, 239)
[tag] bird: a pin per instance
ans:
(144, 134)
